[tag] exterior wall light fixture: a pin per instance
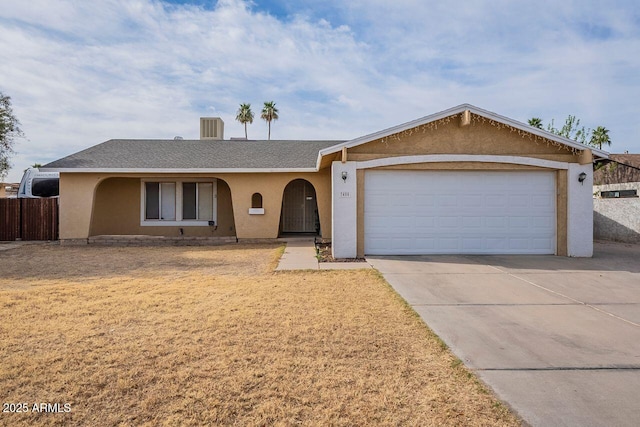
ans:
(344, 176)
(582, 177)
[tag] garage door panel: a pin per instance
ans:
(541, 244)
(495, 200)
(415, 212)
(379, 222)
(424, 200)
(378, 244)
(519, 222)
(448, 222)
(493, 244)
(519, 201)
(474, 243)
(401, 199)
(425, 222)
(448, 243)
(472, 201)
(446, 200)
(496, 222)
(426, 243)
(493, 181)
(543, 200)
(377, 199)
(473, 222)
(543, 222)
(401, 243)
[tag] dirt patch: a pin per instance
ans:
(36, 265)
(211, 336)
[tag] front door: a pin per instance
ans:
(299, 208)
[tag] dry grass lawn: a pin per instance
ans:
(212, 336)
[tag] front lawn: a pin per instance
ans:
(211, 336)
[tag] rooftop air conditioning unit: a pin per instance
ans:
(211, 128)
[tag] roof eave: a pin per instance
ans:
(177, 170)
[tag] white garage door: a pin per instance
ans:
(447, 212)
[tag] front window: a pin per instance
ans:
(180, 202)
(197, 201)
(160, 201)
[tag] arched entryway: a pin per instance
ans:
(299, 212)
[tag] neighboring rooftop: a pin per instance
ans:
(621, 168)
(9, 189)
(131, 154)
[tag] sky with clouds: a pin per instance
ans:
(82, 72)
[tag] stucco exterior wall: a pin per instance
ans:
(617, 219)
(271, 186)
(78, 206)
(561, 212)
(452, 138)
(117, 211)
(580, 211)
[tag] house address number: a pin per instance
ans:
(345, 194)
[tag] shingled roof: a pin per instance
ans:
(166, 155)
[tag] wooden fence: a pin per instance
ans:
(29, 219)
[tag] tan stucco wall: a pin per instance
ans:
(561, 212)
(452, 138)
(76, 204)
(77, 207)
(271, 186)
(117, 211)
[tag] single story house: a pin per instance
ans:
(461, 181)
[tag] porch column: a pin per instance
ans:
(77, 192)
(579, 211)
(344, 231)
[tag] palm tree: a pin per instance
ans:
(600, 137)
(244, 116)
(536, 122)
(269, 113)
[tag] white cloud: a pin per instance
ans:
(83, 72)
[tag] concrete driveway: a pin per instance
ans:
(556, 338)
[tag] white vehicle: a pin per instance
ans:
(36, 184)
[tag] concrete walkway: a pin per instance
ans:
(556, 338)
(300, 254)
